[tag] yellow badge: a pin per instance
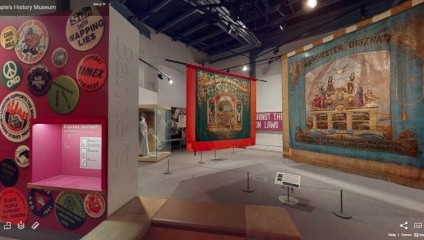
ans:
(9, 37)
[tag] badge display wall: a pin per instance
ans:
(50, 91)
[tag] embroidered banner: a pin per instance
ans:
(362, 95)
(221, 109)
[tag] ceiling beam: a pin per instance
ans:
(156, 8)
(175, 21)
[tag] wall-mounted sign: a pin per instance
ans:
(9, 37)
(9, 173)
(16, 110)
(63, 95)
(40, 202)
(33, 41)
(22, 156)
(39, 80)
(94, 205)
(59, 57)
(13, 206)
(84, 28)
(91, 152)
(270, 121)
(11, 74)
(69, 210)
(91, 72)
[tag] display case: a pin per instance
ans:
(68, 154)
(154, 132)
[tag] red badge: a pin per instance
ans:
(33, 41)
(94, 205)
(91, 72)
(13, 206)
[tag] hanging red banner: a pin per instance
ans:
(221, 109)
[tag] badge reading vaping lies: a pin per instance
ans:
(9, 173)
(40, 202)
(22, 156)
(13, 206)
(63, 95)
(11, 74)
(69, 209)
(39, 80)
(16, 110)
(9, 37)
(91, 72)
(32, 42)
(59, 57)
(84, 28)
(94, 205)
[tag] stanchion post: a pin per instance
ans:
(167, 171)
(341, 214)
(234, 151)
(201, 158)
(248, 190)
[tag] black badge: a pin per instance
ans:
(40, 202)
(39, 80)
(9, 173)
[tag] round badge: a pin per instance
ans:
(9, 172)
(63, 95)
(40, 202)
(94, 205)
(9, 37)
(39, 80)
(13, 206)
(11, 74)
(59, 57)
(69, 209)
(84, 28)
(16, 110)
(22, 156)
(33, 41)
(91, 72)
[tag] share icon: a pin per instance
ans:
(403, 225)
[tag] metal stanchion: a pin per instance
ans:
(286, 199)
(201, 159)
(167, 171)
(233, 151)
(341, 214)
(248, 190)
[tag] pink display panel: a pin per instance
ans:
(69, 154)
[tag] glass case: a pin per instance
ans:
(154, 132)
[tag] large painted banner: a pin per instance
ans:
(361, 95)
(221, 109)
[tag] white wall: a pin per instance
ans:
(123, 112)
(154, 51)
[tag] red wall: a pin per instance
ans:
(91, 104)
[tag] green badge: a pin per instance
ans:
(11, 74)
(63, 95)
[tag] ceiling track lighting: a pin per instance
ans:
(245, 68)
(170, 80)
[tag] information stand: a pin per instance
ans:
(289, 181)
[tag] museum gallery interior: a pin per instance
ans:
(212, 119)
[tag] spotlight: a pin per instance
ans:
(311, 3)
(170, 80)
(245, 68)
(228, 70)
(160, 76)
(275, 51)
(282, 26)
